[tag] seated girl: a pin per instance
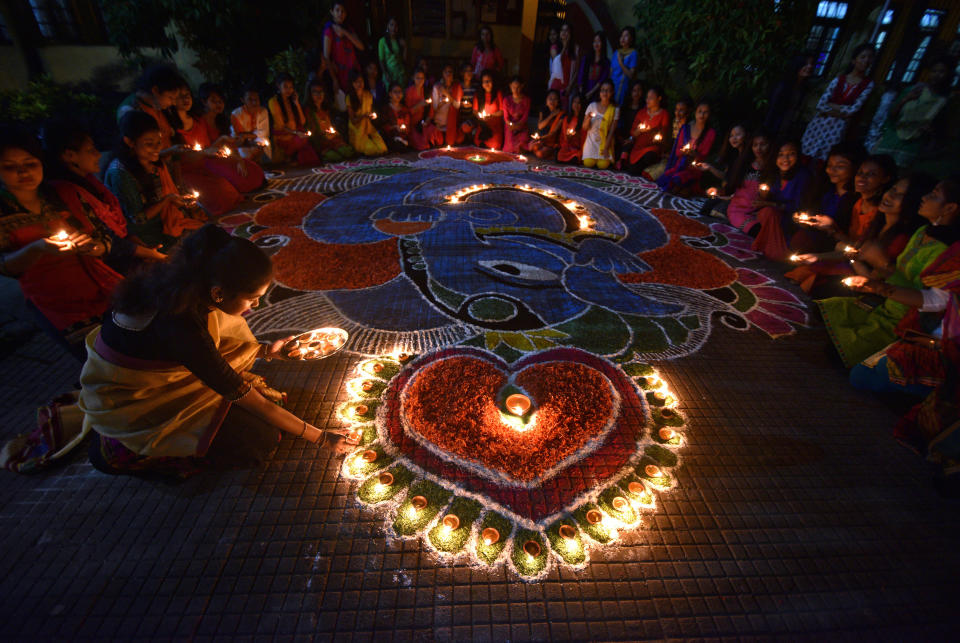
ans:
(571, 132)
(152, 204)
(417, 103)
(719, 172)
(599, 126)
(155, 91)
(54, 253)
(167, 386)
(896, 221)
(636, 99)
(648, 134)
(690, 150)
(516, 112)
(378, 91)
(779, 201)
(73, 165)
(206, 166)
(211, 110)
(443, 116)
(464, 96)
(859, 330)
(834, 200)
(742, 204)
(290, 123)
(546, 140)
(324, 138)
(251, 124)
(364, 137)
(396, 122)
(874, 177)
(488, 105)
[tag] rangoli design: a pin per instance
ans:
(467, 277)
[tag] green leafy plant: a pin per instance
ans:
(727, 49)
(291, 61)
(42, 99)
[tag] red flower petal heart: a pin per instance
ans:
(588, 437)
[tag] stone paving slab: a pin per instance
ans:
(795, 515)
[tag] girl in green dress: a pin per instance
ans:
(859, 329)
(392, 51)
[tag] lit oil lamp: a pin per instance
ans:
(532, 548)
(802, 217)
(518, 404)
(667, 434)
(354, 437)
(330, 130)
(403, 357)
(637, 488)
(594, 517)
(643, 127)
(482, 114)
(448, 148)
(586, 223)
(360, 409)
(309, 133)
(521, 158)
(428, 101)
(658, 137)
(535, 136)
(794, 258)
(385, 478)
(668, 414)
(367, 385)
(369, 455)
(685, 148)
(403, 126)
(489, 536)
(653, 471)
(850, 282)
(571, 132)
(619, 503)
(418, 502)
(378, 367)
(373, 116)
(712, 192)
(567, 532)
(764, 188)
(450, 522)
(61, 236)
(197, 147)
(225, 152)
(849, 250)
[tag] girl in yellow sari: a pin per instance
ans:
(364, 137)
(167, 385)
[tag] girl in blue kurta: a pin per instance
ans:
(776, 210)
(623, 67)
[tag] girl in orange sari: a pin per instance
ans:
(417, 104)
(546, 140)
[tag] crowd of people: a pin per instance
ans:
(123, 266)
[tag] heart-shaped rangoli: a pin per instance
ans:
(436, 437)
(451, 405)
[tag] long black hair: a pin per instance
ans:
(164, 77)
(280, 80)
(206, 258)
(745, 162)
(58, 137)
(221, 120)
(480, 46)
(949, 233)
(920, 184)
(133, 125)
(603, 47)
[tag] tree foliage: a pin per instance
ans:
(727, 49)
(233, 39)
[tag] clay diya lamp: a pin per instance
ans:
(568, 532)
(532, 548)
(594, 517)
(490, 535)
(385, 478)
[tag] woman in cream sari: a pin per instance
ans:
(167, 384)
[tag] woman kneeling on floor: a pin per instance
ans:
(167, 385)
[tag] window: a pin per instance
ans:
(54, 19)
(824, 32)
(884, 30)
(929, 24)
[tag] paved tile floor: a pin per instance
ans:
(795, 515)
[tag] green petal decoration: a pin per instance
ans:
(600, 531)
(662, 456)
(613, 502)
(373, 492)
(524, 562)
(452, 540)
(570, 550)
(489, 553)
(410, 519)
